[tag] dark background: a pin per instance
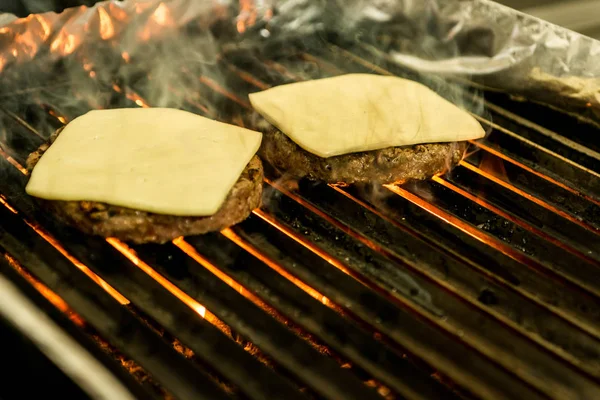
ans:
(22, 8)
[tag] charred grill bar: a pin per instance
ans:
(480, 283)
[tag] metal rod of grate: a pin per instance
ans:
(485, 279)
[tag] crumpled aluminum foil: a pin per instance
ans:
(475, 39)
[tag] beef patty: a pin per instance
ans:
(389, 165)
(144, 227)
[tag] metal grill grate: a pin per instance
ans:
(482, 283)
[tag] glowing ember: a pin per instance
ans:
(44, 25)
(131, 95)
(13, 162)
(247, 17)
(493, 166)
(62, 119)
(65, 43)
(5, 204)
(162, 15)
(107, 29)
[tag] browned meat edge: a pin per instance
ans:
(389, 165)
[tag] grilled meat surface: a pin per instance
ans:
(392, 164)
(145, 227)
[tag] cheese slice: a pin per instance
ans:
(159, 160)
(362, 112)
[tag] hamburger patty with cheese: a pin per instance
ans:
(361, 128)
(137, 226)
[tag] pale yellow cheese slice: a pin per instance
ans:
(362, 112)
(159, 160)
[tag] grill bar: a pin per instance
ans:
(539, 253)
(575, 194)
(509, 276)
(553, 164)
(396, 323)
(584, 156)
(553, 215)
(511, 218)
(393, 255)
(343, 336)
(465, 275)
(251, 322)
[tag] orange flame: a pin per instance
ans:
(62, 119)
(65, 43)
(107, 30)
(160, 18)
(493, 166)
(44, 25)
(247, 17)
(131, 95)
(162, 15)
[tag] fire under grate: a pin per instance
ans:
(480, 283)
